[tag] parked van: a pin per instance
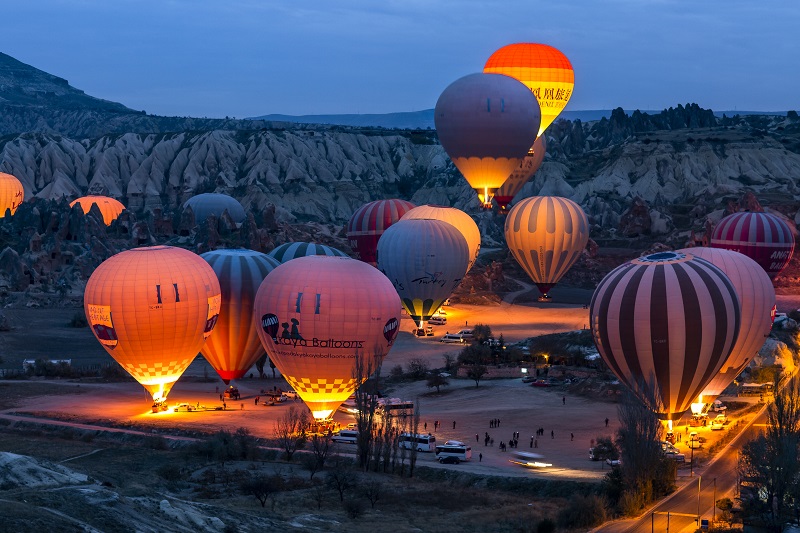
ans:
(437, 320)
(452, 337)
(346, 435)
(466, 334)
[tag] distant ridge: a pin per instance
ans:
(424, 119)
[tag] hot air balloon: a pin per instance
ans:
(425, 260)
(316, 315)
(521, 175)
(764, 238)
(368, 224)
(486, 124)
(234, 348)
(543, 69)
(293, 250)
(455, 217)
(11, 193)
(665, 324)
(109, 207)
(152, 308)
(207, 204)
(757, 303)
(546, 235)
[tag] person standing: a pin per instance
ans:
(480, 457)
(454, 424)
(606, 421)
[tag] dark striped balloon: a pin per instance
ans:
(368, 224)
(293, 250)
(235, 347)
(763, 237)
(665, 324)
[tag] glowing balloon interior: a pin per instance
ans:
(368, 224)
(543, 69)
(486, 124)
(234, 347)
(151, 309)
(665, 324)
(109, 207)
(316, 315)
(11, 193)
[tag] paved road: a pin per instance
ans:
(683, 505)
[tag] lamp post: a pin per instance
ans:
(714, 508)
(691, 463)
(699, 479)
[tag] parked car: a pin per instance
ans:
(291, 394)
(449, 460)
(613, 462)
(419, 332)
(184, 407)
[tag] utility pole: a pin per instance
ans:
(699, 479)
(714, 508)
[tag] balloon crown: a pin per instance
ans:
(662, 257)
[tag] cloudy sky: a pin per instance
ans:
(244, 58)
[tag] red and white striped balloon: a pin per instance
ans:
(368, 223)
(763, 237)
(665, 324)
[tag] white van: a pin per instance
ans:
(437, 320)
(348, 436)
(466, 334)
(452, 337)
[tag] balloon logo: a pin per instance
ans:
(269, 323)
(390, 330)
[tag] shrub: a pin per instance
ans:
(78, 320)
(583, 512)
(545, 525)
(169, 472)
(353, 508)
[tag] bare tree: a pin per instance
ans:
(320, 449)
(365, 367)
(290, 430)
(476, 373)
(449, 360)
(261, 486)
(260, 365)
(340, 478)
(417, 368)
(768, 465)
(372, 490)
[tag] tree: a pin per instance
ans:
(475, 373)
(340, 478)
(436, 379)
(260, 365)
(366, 404)
(372, 491)
(417, 368)
(481, 333)
(475, 354)
(290, 430)
(261, 486)
(449, 360)
(320, 449)
(768, 465)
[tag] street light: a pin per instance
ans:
(692, 439)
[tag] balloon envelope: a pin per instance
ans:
(757, 305)
(456, 218)
(546, 235)
(665, 324)
(522, 174)
(109, 207)
(293, 250)
(486, 124)
(425, 260)
(315, 315)
(234, 347)
(543, 69)
(11, 193)
(763, 237)
(152, 308)
(368, 224)
(207, 204)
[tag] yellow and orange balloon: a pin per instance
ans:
(109, 207)
(11, 193)
(543, 69)
(152, 308)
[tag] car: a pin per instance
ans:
(452, 337)
(429, 331)
(676, 456)
(446, 302)
(449, 460)
(437, 320)
(419, 332)
(291, 394)
(613, 462)
(716, 426)
(542, 383)
(184, 407)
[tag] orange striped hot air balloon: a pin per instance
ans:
(11, 193)
(109, 207)
(543, 69)
(152, 308)
(234, 348)
(517, 180)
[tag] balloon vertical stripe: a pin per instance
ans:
(368, 224)
(763, 237)
(668, 322)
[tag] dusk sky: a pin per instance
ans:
(245, 58)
